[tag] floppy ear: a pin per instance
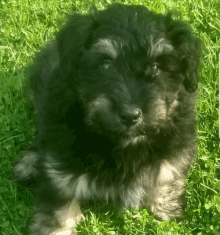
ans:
(188, 47)
(70, 41)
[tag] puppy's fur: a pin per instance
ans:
(114, 99)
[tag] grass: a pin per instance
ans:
(24, 26)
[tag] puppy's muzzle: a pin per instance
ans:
(104, 117)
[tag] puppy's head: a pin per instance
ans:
(131, 69)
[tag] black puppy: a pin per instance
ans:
(114, 105)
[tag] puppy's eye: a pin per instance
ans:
(106, 65)
(155, 70)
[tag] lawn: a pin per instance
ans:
(25, 25)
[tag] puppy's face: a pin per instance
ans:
(126, 88)
(130, 73)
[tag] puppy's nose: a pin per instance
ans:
(131, 116)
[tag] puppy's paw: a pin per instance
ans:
(168, 201)
(59, 221)
(64, 232)
(166, 211)
(48, 225)
(68, 217)
(69, 226)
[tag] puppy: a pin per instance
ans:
(114, 105)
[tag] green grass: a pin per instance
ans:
(25, 25)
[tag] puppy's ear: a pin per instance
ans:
(188, 48)
(70, 41)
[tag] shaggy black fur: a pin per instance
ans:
(114, 105)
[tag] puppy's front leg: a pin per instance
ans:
(57, 212)
(57, 221)
(165, 190)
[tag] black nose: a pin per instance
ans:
(131, 116)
